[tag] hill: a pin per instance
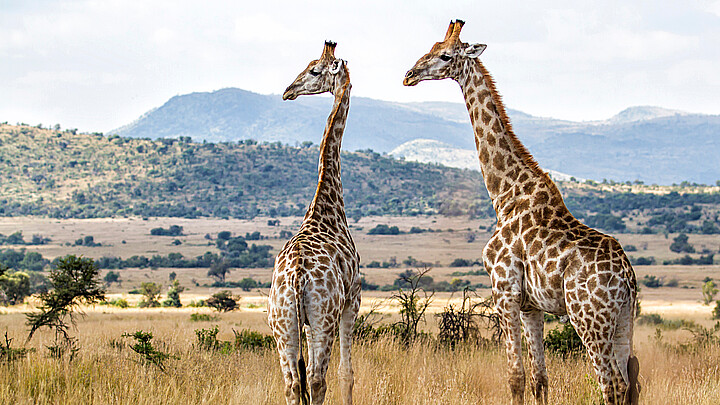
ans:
(650, 144)
(61, 174)
(69, 175)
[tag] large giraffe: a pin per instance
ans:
(540, 258)
(316, 283)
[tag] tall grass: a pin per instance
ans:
(385, 372)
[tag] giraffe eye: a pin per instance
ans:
(314, 73)
(445, 57)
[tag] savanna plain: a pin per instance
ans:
(678, 349)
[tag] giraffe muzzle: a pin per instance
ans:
(289, 94)
(410, 78)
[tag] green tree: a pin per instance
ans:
(74, 281)
(151, 293)
(709, 290)
(14, 286)
(112, 277)
(173, 299)
(218, 270)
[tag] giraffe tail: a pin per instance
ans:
(301, 369)
(632, 393)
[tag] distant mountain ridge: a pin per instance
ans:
(652, 144)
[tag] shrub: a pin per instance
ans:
(173, 230)
(367, 286)
(459, 325)
(642, 261)
(117, 302)
(680, 244)
(222, 301)
(144, 347)
(564, 342)
(709, 290)
(198, 317)
(651, 281)
(207, 340)
(383, 229)
(716, 311)
(461, 263)
(246, 284)
(412, 305)
(251, 340)
(112, 277)
(9, 354)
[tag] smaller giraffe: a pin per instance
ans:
(316, 281)
(540, 258)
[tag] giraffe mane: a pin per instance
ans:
(524, 154)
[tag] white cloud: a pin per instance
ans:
(118, 59)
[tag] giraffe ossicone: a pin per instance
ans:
(540, 258)
(316, 280)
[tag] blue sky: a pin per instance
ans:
(97, 65)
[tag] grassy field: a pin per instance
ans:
(107, 373)
(104, 373)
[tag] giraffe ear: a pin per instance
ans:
(336, 65)
(474, 50)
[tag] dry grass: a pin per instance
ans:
(385, 373)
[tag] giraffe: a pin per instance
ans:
(540, 258)
(316, 280)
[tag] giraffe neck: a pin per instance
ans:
(506, 165)
(328, 205)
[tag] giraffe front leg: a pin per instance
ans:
(508, 307)
(534, 324)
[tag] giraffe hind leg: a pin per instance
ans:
(534, 323)
(601, 352)
(627, 364)
(345, 370)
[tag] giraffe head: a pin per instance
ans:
(325, 74)
(446, 59)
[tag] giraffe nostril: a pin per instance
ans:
(409, 74)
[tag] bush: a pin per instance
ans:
(112, 277)
(9, 354)
(564, 342)
(173, 230)
(383, 229)
(198, 317)
(680, 244)
(251, 340)
(642, 261)
(117, 302)
(462, 263)
(247, 284)
(144, 347)
(716, 310)
(222, 301)
(651, 281)
(709, 290)
(459, 325)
